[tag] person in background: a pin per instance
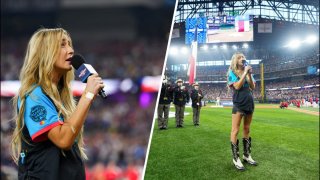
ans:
(218, 101)
(164, 104)
(196, 97)
(181, 97)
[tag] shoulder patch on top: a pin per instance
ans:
(38, 113)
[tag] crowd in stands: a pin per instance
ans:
(304, 93)
(309, 80)
(210, 73)
(273, 89)
(282, 69)
(277, 64)
(118, 59)
(284, 73)
(284, 63)
(226, 54)
(212, 91)
(308, 89)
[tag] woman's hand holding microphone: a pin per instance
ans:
(248, 69)
(94, 85)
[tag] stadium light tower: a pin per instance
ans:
(224, 46)
(234, 47)
(245, 46)
(173, 50)
(184, 50)
(215, 47)
(311, 39)
(294, 44)
(205, 47)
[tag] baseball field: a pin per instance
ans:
(285, 143)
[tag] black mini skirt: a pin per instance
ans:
(243, 101)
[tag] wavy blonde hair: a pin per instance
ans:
(234, 65)
(42, 52)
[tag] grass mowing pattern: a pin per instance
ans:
(310, 109)
(285, 143)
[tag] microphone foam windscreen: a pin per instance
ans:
(77, 60)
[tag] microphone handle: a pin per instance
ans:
(102, 94)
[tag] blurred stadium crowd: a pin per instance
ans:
(116, 59)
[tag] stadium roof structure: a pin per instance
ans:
(301, 11)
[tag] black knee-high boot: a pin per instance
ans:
(236, 160)
(247, 151)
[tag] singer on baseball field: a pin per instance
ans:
(242, 83)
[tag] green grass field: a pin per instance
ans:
(284, 142)
(310, 109)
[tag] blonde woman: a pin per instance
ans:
(241, 81)
(47, 140)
